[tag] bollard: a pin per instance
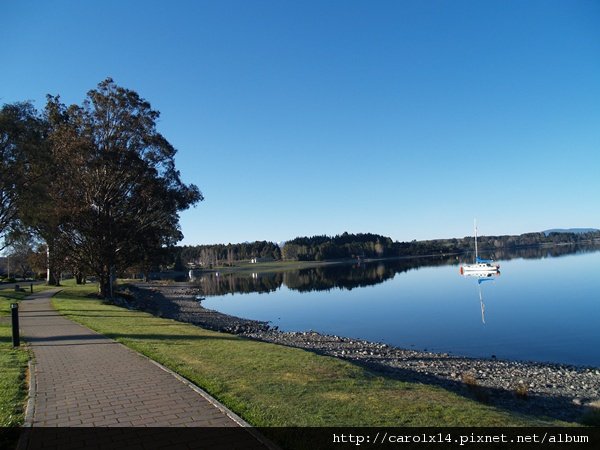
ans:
(14, 309)
(17, 288)
(31, 288)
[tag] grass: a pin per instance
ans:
(271, 385)
(247, 268)
(13, 363)
(592, 415)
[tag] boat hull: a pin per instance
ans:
(482, 267)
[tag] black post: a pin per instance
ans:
(14, 309)
(31, 287)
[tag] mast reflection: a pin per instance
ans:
(481, 278)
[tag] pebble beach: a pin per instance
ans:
(561, 391)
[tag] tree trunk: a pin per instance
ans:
(52, 274)
(79, 277)
(104, 285)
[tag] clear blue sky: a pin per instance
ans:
(405, 118)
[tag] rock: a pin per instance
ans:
(545, 383)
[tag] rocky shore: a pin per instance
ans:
(561, 391)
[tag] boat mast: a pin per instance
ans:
(475, 227)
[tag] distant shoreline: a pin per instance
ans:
(273, 266)
(281, 266)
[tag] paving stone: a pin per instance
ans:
(83, 378)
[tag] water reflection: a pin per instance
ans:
(481, 277)
(544, 307)
(323, 278)
(540, 252)
(357, 275)
(215, 283)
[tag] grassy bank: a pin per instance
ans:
(13, 363)
(272, 385)
(247, 268)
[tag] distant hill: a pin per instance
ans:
(570, 230)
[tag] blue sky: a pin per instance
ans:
(404, 118)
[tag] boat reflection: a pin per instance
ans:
(481, 277)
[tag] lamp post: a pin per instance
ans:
(14, 309)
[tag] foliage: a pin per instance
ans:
(363, 245)
(320, 248)
(366, 245)
(129, 191)
(220, 254)
(110, 195)
(21, 138)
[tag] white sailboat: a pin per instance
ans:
(482, 266)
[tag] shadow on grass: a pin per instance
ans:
(110, 338)
(171, 337)
(6, 340)
(73, 313)
(107, 315)
(150, 299)
(537, 406)
(13, 296)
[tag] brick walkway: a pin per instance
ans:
(82, 378)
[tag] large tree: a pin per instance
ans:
(48, 206)
(22, 134)
(121, 189)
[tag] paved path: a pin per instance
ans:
(82, 378)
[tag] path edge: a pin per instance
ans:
(31, 367)
(32, 393)
(23, 441)
(216, 403)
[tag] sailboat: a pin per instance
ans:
(483, 266)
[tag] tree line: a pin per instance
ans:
(363, 246)
(94, 186)
(356, 274)
(220, 254)
(319, 248)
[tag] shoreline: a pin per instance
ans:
(564, 389)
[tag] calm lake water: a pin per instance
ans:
(545, 305)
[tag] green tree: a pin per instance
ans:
(124, 193)
(21, 138)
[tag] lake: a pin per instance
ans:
(544, 306)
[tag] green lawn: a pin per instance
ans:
(272, 385)
(13, 364)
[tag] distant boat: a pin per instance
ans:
(480, 265)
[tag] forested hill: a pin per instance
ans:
(221, 254)
(366, 245)
(319, 248)
(571, 230)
